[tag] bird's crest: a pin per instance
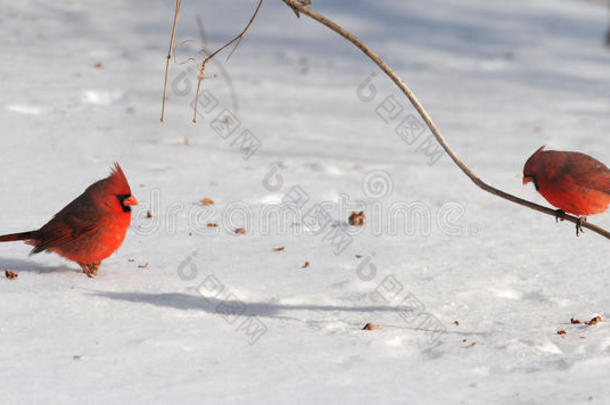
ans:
(533, 160)
(539, 150)
(118, 180)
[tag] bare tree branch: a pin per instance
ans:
(304, 3)
(298, 6)
(169, 56)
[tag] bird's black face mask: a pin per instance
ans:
(122, 198)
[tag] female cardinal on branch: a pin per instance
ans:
(571, 181)
(90, 228)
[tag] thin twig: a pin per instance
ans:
(237, 39)
(169, 56)
(297, 5)
(223, 70)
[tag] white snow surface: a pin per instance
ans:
(217, 317)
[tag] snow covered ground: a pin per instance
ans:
(218, 317)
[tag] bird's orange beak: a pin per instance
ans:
(527, 180)
(131, 200)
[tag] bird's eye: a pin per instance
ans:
(123, 197)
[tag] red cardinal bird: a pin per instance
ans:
(571, 181)
(90, 228)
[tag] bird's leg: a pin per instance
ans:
(85, 267)
(93, 267)
(579, 223)
(559, 215)
(90, 269)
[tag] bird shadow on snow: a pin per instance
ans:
(183, 301)
(30, 266)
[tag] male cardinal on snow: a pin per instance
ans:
(90, 228)
(571, 181)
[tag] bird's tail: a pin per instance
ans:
(16, 236)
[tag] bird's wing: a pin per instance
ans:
(588, 172)
(77, 219)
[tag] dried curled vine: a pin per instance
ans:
(237, 40)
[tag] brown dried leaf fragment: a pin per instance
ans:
(370, 326)
(240, 231)
(305, 265)
(356, 219)
(207, 201)
(594, 321)
(279, 249)
(212, 225)
(11, 275)
(143, 266)
(574, 321)
(561, 332)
